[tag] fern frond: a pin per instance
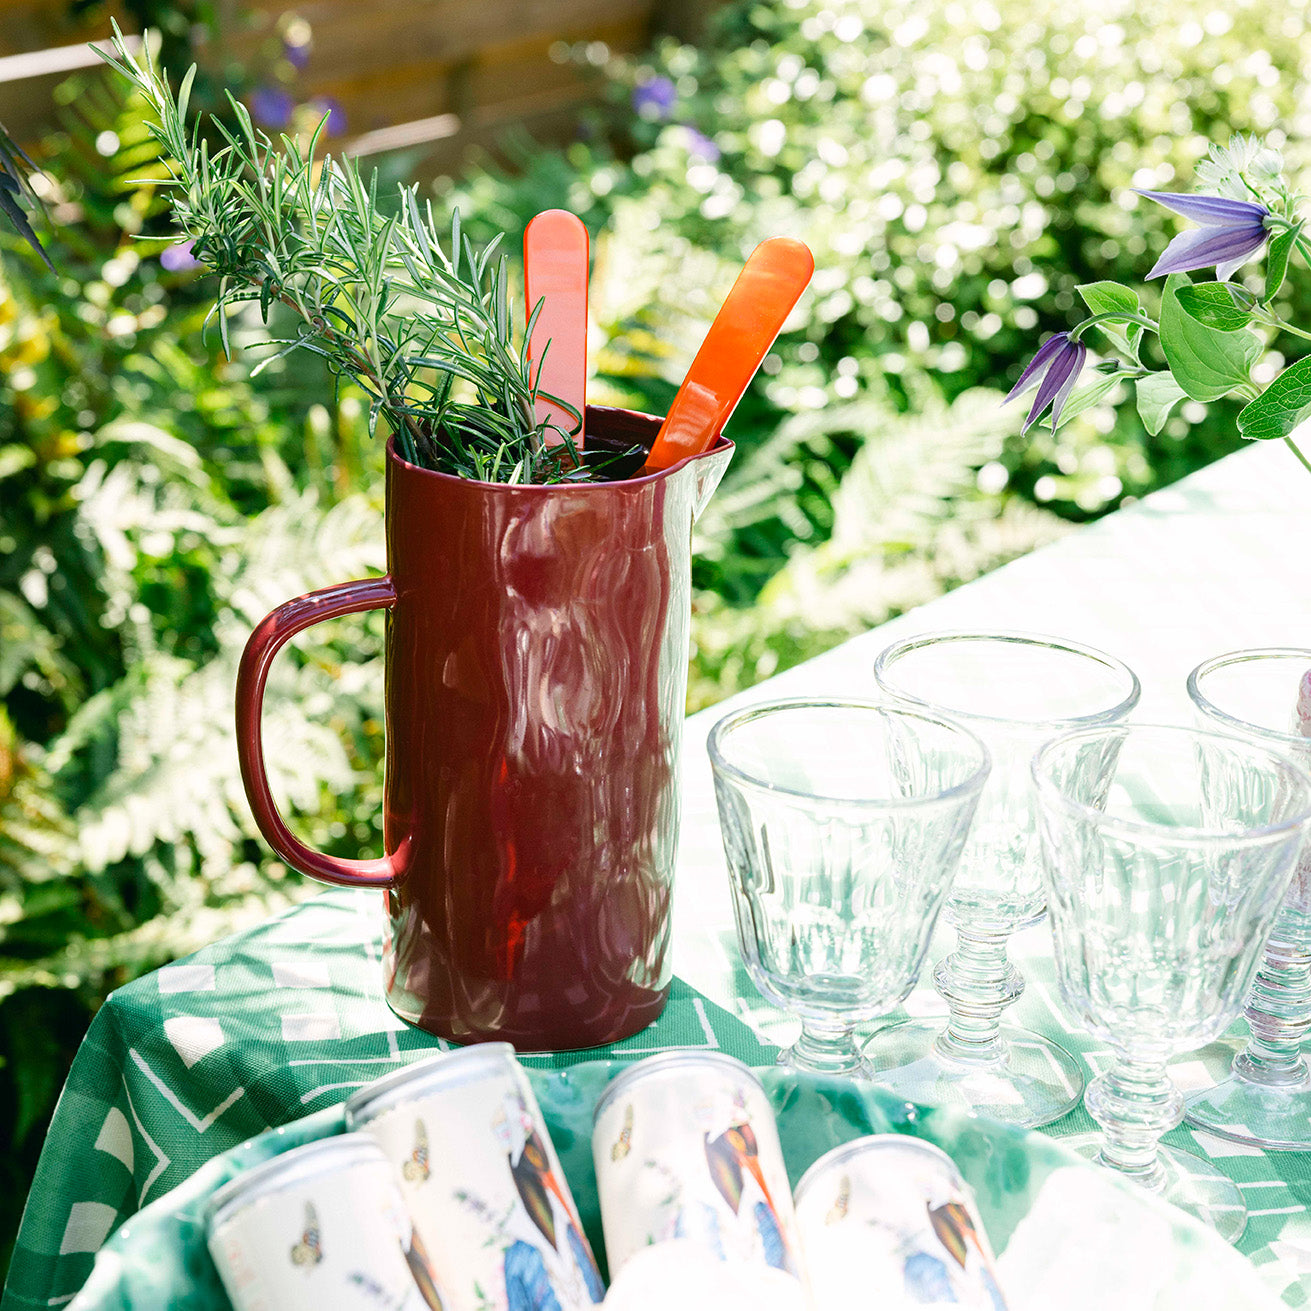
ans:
(915, 472)
(27, 646)
(196, 919)
(36, 837)
(177, 779)
(295, 547)
(909, 523)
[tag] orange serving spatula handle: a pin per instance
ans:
(555, 273)
(770, 284)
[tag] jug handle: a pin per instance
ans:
(270, 635)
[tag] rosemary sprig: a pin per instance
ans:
(428, 336)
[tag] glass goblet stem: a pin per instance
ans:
(977, 982)
(1278, 1015)
(825, 1049)
(1134, 1103)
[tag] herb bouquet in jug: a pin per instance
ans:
(427, 334)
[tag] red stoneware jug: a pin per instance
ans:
(536, 672)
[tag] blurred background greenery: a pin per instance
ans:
(957, 168)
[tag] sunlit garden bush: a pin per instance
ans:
(957, 169)
(156, 502)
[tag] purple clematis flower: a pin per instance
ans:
(655, 98)
(1230, 233)
(1055, 368)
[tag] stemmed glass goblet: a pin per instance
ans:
(1167, 853)
(1266, 1101)
(842, 823)
(1015, 691)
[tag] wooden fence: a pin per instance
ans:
(441, 75)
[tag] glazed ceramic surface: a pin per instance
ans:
(1066, 1233)
(536, 660)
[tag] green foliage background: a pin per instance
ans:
(956, 167)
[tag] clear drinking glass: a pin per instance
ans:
(1266, 1101)
(1015, 691)
(1167, 853)
(842, 824)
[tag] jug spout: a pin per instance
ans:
(708, 469)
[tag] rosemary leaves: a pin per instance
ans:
(429, 336)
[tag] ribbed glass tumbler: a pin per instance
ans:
(1167, 854)
(842, 824)
(1015, 691)
(1266, 1101)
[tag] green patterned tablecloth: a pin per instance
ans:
(269, 1025)
(257, 1030)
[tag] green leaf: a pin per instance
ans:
(1110, 298)
(184, 93)
(1281, 407)
(1086, 397)
(10, 208)
(1158, 394)
(1212, 305)
(1107, 297)
(1206, 363)
(1277, 260)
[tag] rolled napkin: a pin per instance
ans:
(683, 1273)
(1080, 1247)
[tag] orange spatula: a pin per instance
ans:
(555, 274)
(770, 284)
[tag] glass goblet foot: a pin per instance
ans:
(821, 1049)
(1276, 1118)
(1021, 1078)
(1184, 1180)
(1266, 1101)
